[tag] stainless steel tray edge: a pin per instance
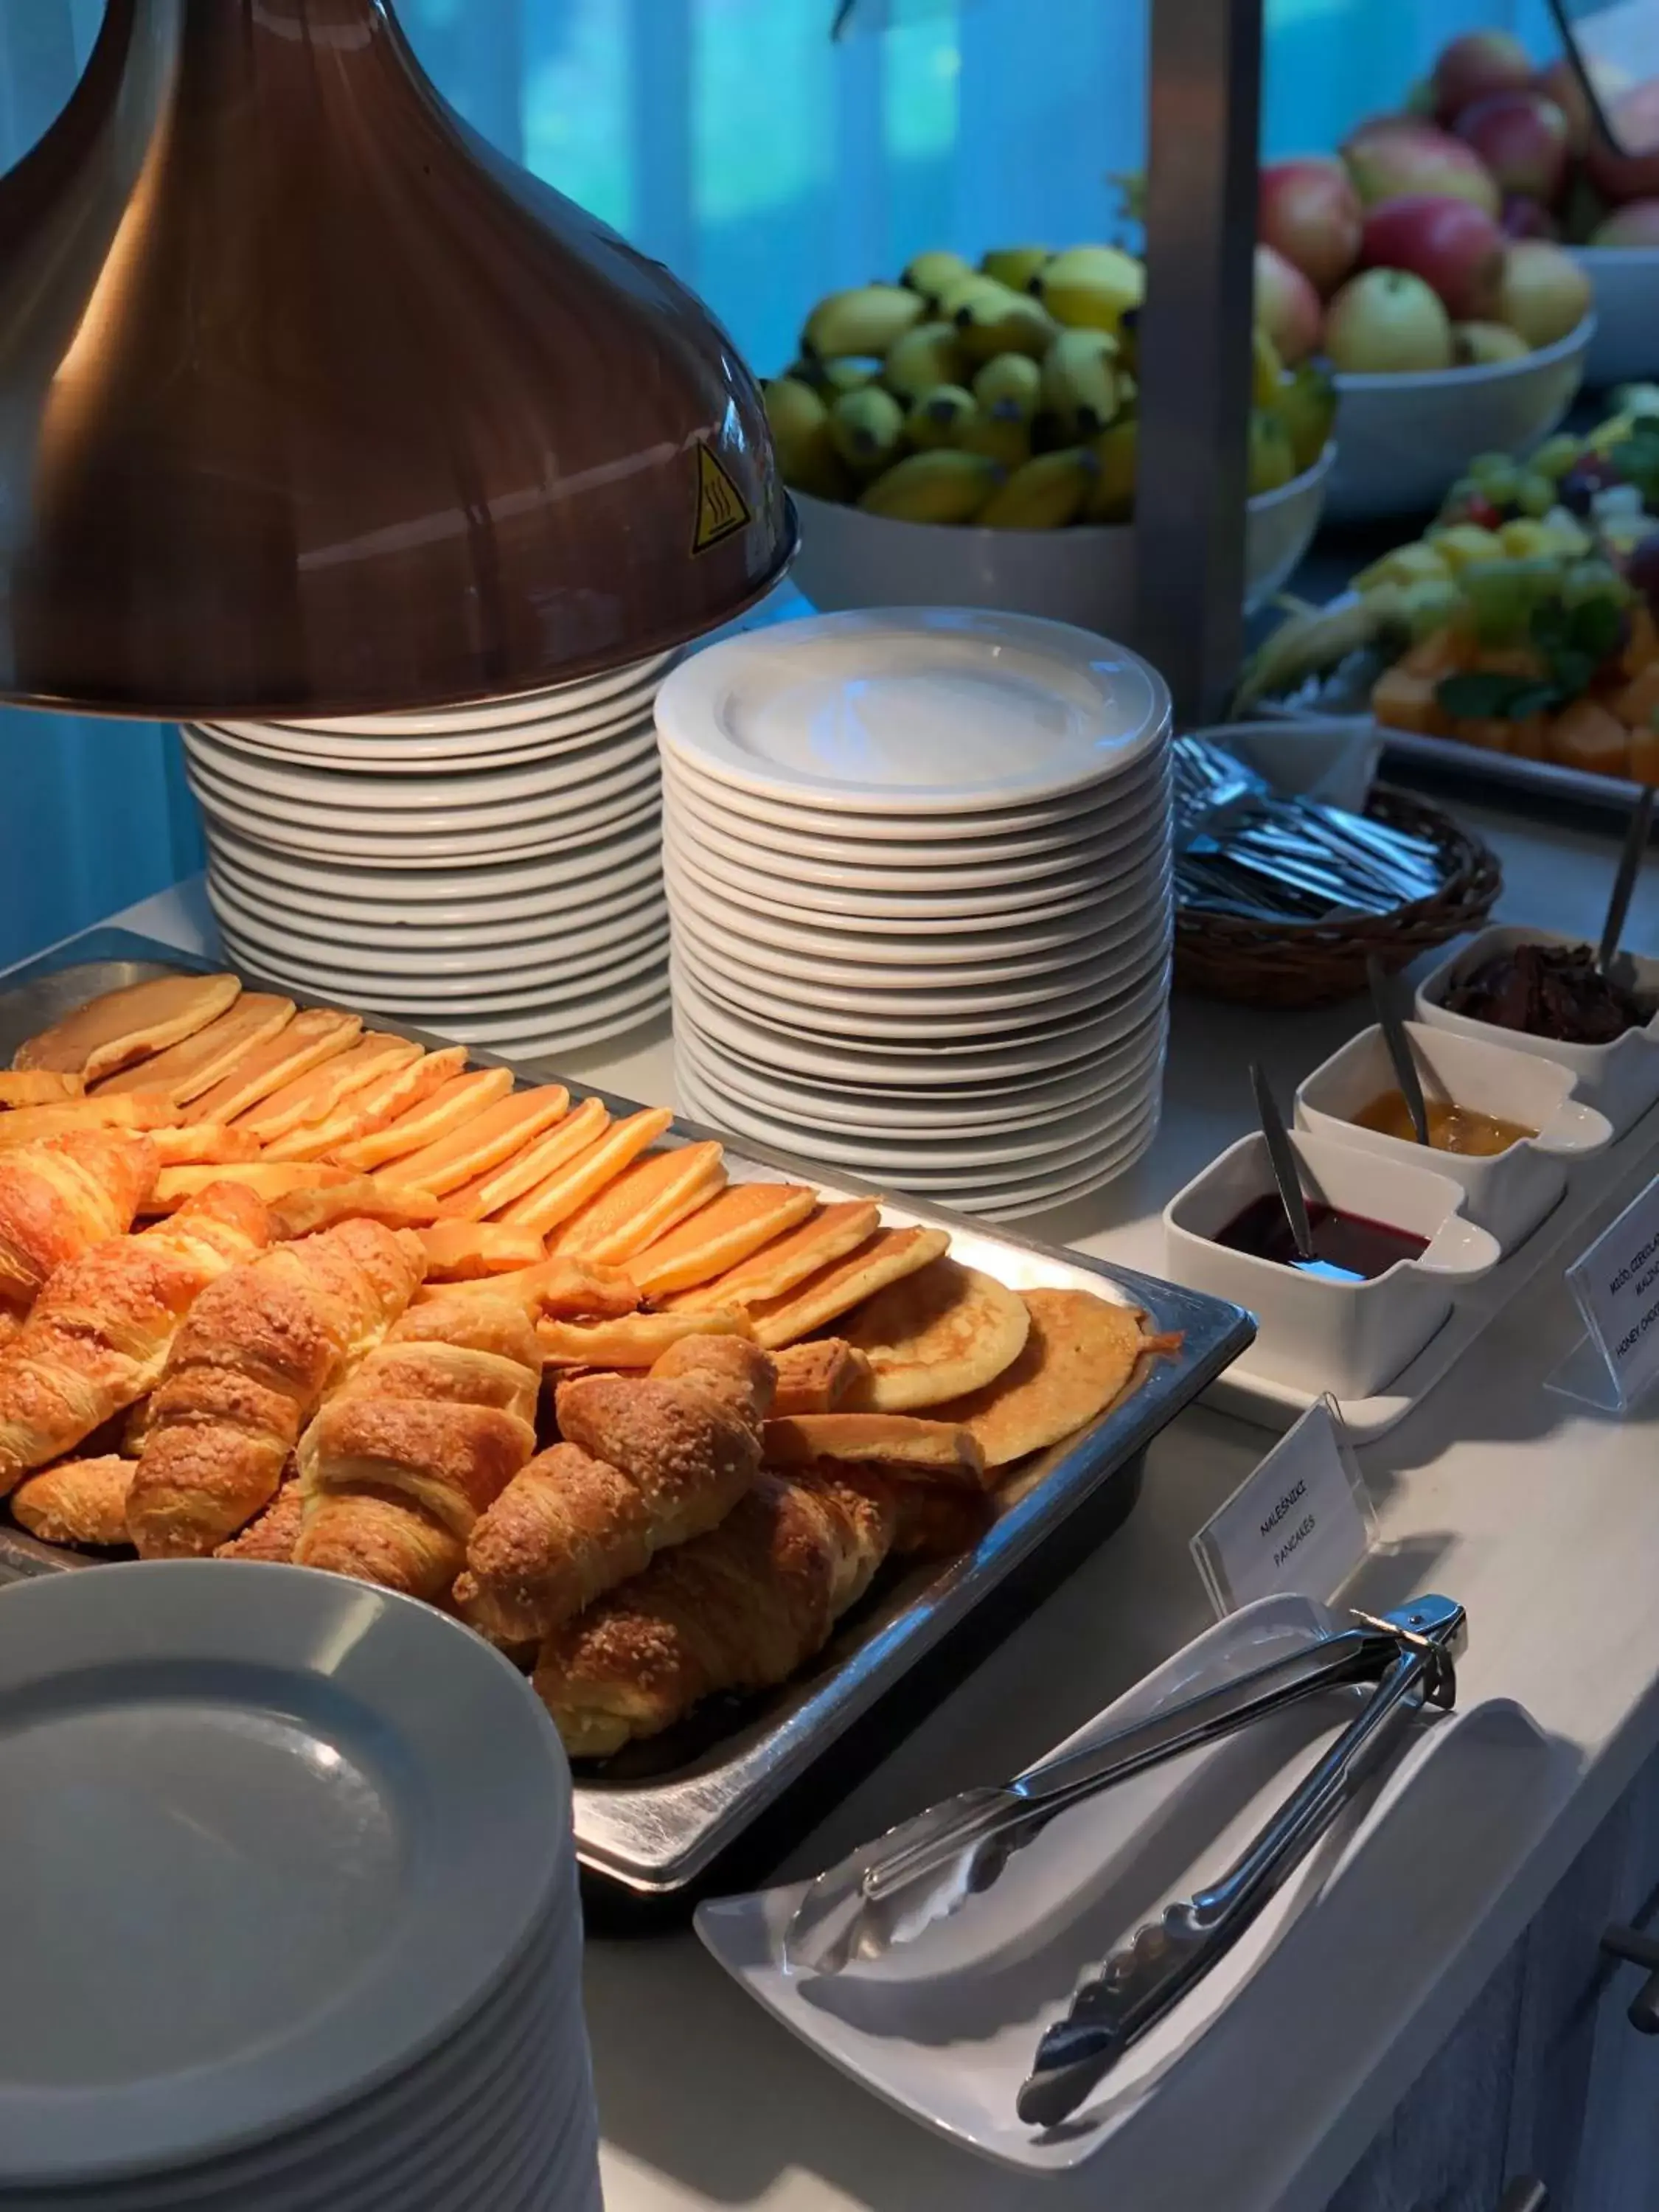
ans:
(659, 1836)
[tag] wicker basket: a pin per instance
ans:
(1287, 963)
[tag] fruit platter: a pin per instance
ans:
(969, 435)
(1520, 633)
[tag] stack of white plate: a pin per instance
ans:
(491, 871)
(300, 1925)
(918, 873)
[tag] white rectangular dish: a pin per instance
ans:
(944, 2030)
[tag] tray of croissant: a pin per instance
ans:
(716, 1451)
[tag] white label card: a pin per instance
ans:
(1301, 1524)
(1617, 1286)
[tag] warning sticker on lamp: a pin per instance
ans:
(722, 510)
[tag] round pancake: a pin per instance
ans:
(1081, 1352)
(721, 1234)
(888, 1257)
(934, 1335)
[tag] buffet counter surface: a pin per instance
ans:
(1543, 1518)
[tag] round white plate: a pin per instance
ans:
(794, 1100)
(1100, 856)
(178, 1758)
(1018, 1206)
(706, 803)
(558, 700)
(825, 941)
(918, 711)
(449, 791)
(942, 1065)
(622, 858)
(552, 988)
(1047, 819)
(612, 1014)
(916, 915)
(914, 1021)
(387, 757)
(437, 953)
(454, 803)
(1029, 1182)
(545, 835)
(931, 1155)
(1113, 955)
(853, 972)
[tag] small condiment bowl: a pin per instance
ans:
(1316, 1335)
(1508, 1193)
(1620, 1080)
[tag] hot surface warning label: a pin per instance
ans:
(721, 507)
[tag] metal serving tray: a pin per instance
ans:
(656, 1818)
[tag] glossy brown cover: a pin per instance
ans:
(309, 400)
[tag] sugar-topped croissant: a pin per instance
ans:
(398, 1465)
(254, 1358)
(737, 1609)
(99, 1334)
(647, 1461)
(63, 1193)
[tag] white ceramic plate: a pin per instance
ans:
(792, 1100)
(178, 1755)
(1116, 954)
(707, 804)
(918, 1022)
(916, 913)
(440, 953)
(1056, 817)
(560, 700)
(589, 1022)
(1053, 939)
(549, 990)
(935, 710)
(1101, 856)
(943, 1065)
(360, 757)
(627, 803)
(924, 1158)
(448, 791)
(623, 858)
(421, 806)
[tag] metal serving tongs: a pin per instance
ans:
(886, 1893)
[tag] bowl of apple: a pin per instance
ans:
(1453, 322)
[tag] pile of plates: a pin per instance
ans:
(301, 1925)
(491, 872)
(919, 882)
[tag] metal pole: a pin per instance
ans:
(1195, 345)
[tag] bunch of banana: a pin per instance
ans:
(1004, 395)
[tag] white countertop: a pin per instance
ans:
(1496, 1492)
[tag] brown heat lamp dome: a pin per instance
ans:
(310, 402)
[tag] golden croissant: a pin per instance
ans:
(737, 1609)
(253, 1360)
(99, 1334)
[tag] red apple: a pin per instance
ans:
(1480, 62)
(1522, 139)
(1287, 306)
(1451, 245)
(1387, 321)
(1543, 293)
(1635, 223)
(1310, 212)
(1559, 82)
(1633, 174)
(1524, 218)
(1394, 156)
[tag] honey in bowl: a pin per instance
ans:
(1452, 1128)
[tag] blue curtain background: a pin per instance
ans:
(732, 140)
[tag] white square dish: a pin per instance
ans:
(1620, 1080)
(1314, 1333)
(1508, 1193)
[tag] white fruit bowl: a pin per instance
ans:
(1406, 440)
(1625, 348)
(1085, 575)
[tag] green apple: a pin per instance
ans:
(1387, 323)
